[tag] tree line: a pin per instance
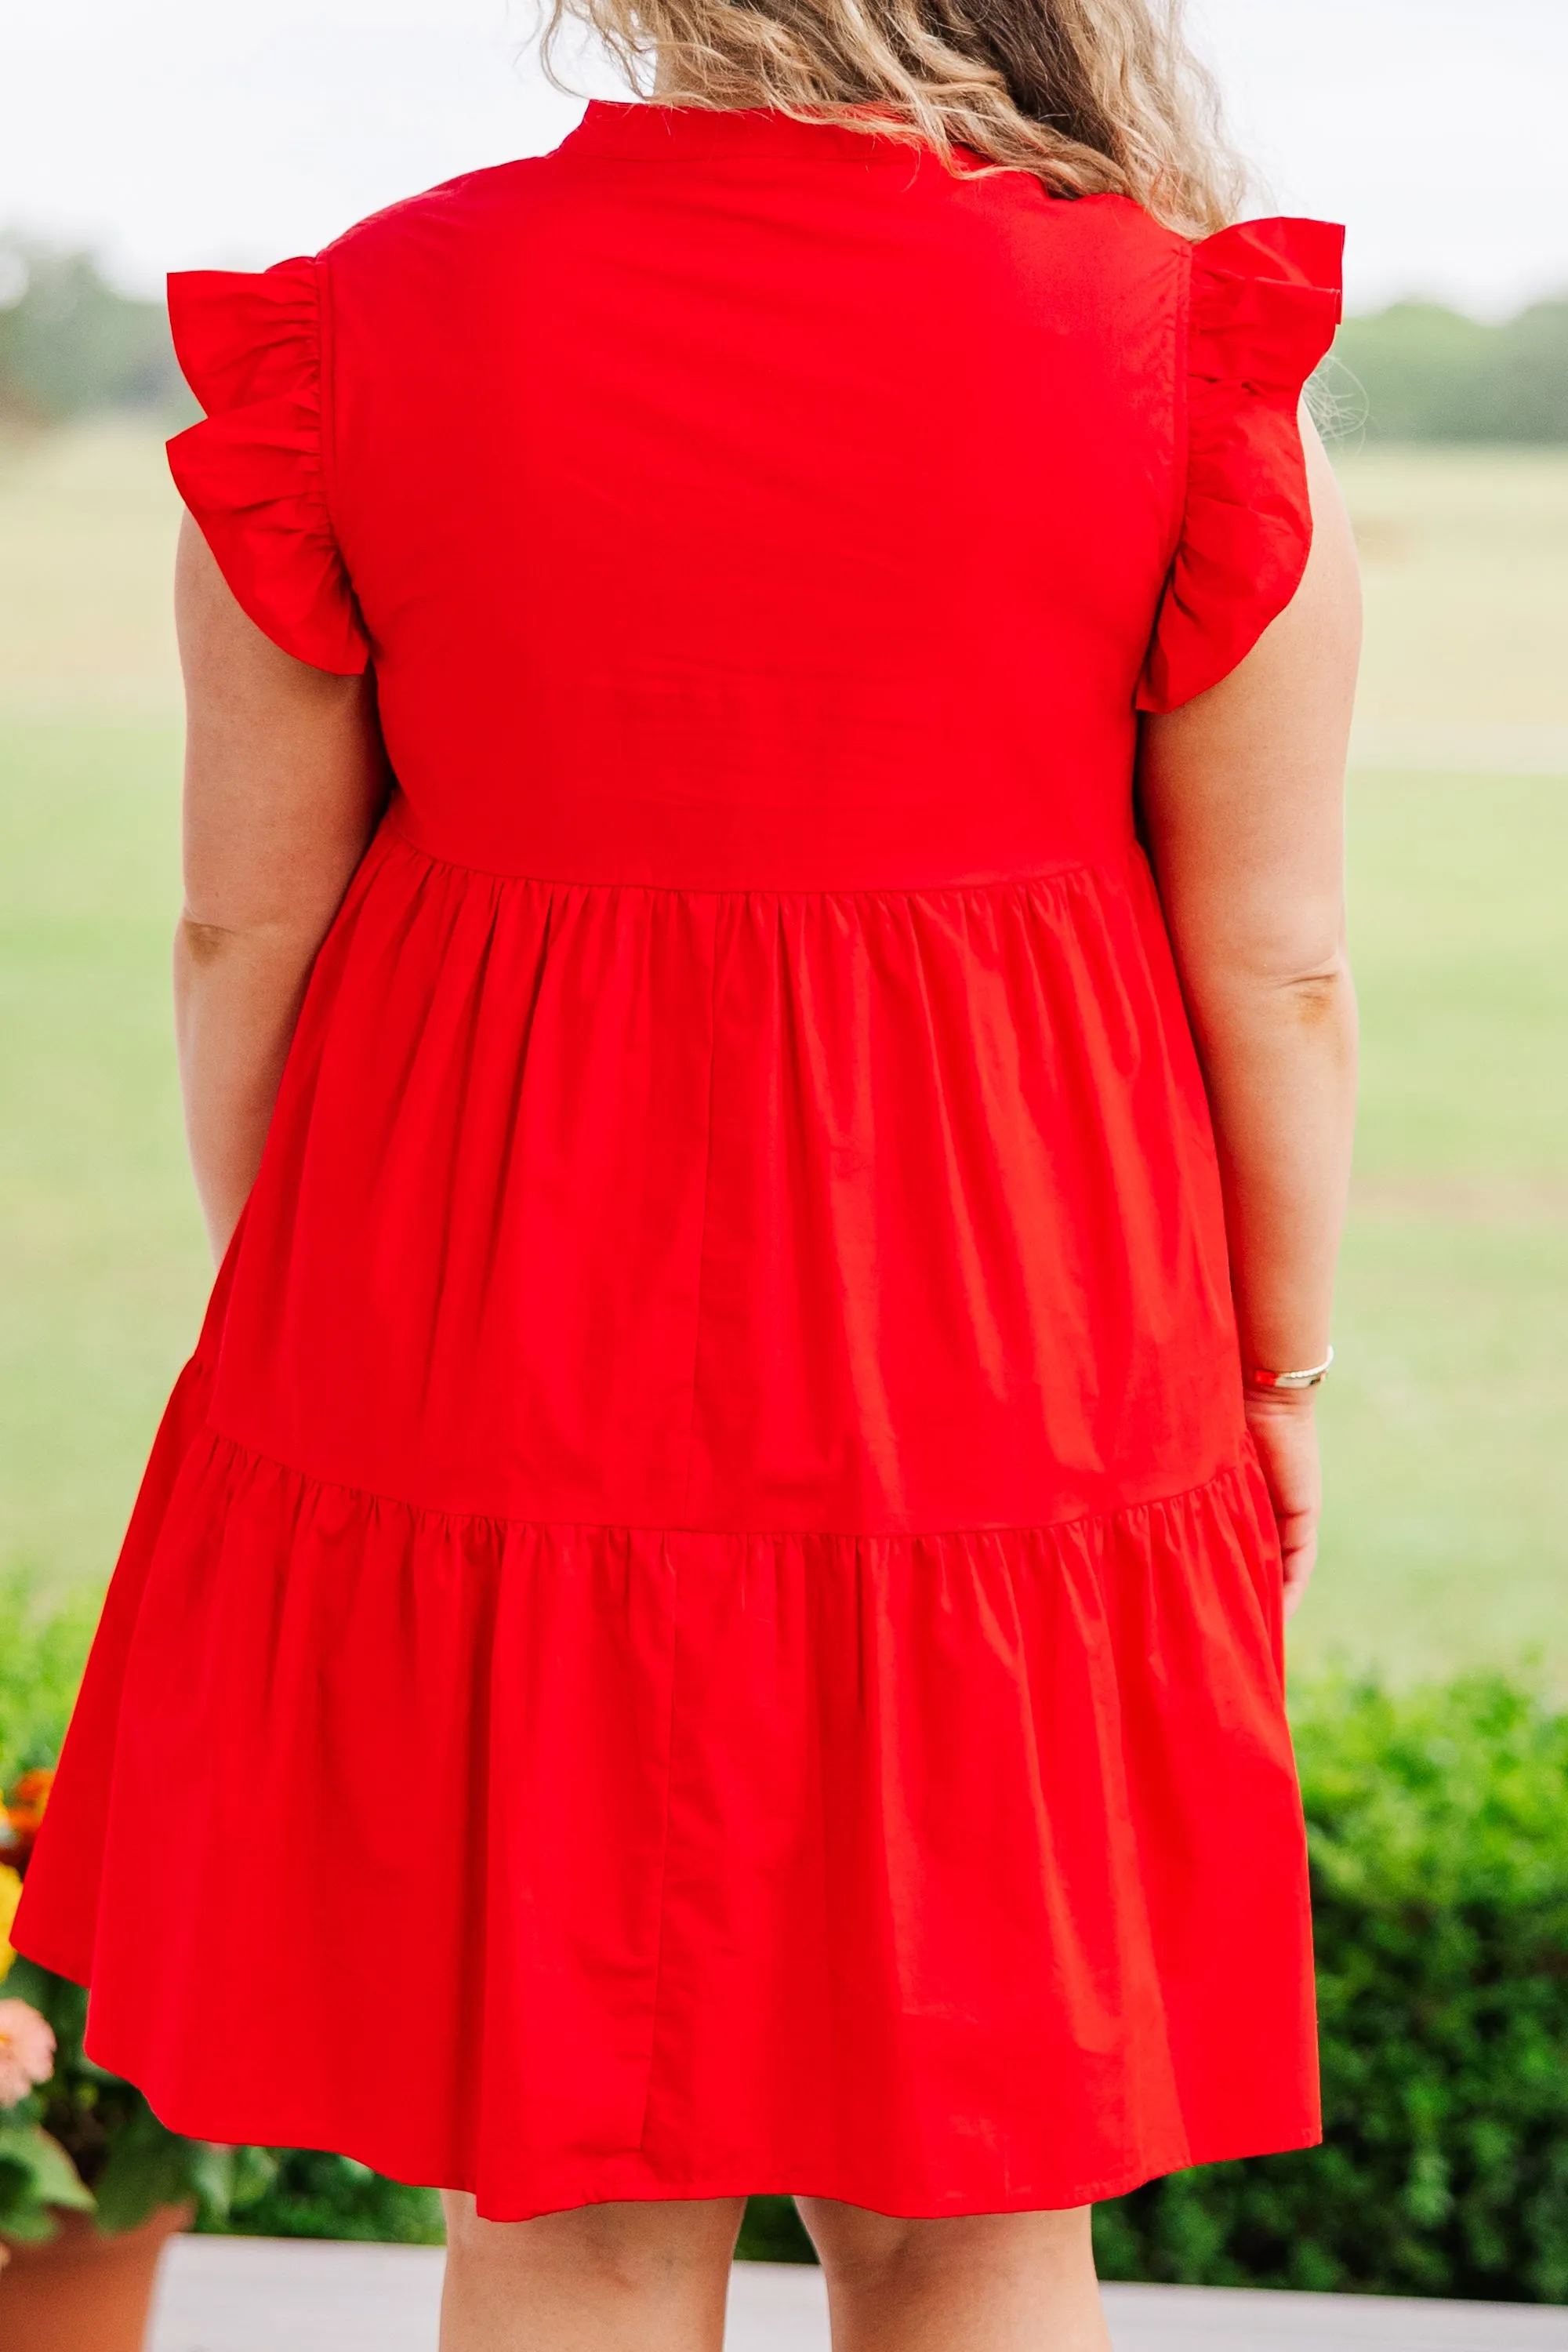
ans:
(1419, 371)
(71, 343)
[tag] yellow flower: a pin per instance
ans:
(10, 1895)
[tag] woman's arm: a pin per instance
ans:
(1243, 793)
(284, 779)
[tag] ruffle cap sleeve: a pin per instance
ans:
(1264, 304)
(252, 472)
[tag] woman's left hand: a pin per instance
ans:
(1284, 1427)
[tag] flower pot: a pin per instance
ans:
(81, 2290)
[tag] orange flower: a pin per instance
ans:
(24, 1811)
(29, 1797)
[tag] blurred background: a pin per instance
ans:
(136, 138)
(1430, 1698)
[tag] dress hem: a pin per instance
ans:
(612, 2185)
(618, 2183)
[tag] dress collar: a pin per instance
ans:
(643, 132)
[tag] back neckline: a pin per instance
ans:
(641, 131)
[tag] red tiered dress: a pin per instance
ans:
(703, 1619)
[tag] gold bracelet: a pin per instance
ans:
(1307, 1380)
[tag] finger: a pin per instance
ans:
(1299, 1560)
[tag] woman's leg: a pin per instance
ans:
(987, 2281)
(604, 2278)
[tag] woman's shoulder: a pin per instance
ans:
(1292, 265)
(431, 220)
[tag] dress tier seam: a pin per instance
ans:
(1235, 1467)
(703, 1218)
(1080, 869)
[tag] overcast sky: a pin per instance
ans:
(169, 133)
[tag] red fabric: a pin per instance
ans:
(254, 474)
(707, 1578)
(1265, 302)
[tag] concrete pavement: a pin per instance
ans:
(274, 2295)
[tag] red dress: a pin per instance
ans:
(703, 1619)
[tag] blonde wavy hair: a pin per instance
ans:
(1090, 95)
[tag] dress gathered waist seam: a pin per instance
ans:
(394, 827)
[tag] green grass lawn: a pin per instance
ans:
(1465, 560)
(103, 1263)
(1446, 1422)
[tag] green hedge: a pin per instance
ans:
(309, 2195)
(1439, 1838)
(41, 1655)
(1438, 1824)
